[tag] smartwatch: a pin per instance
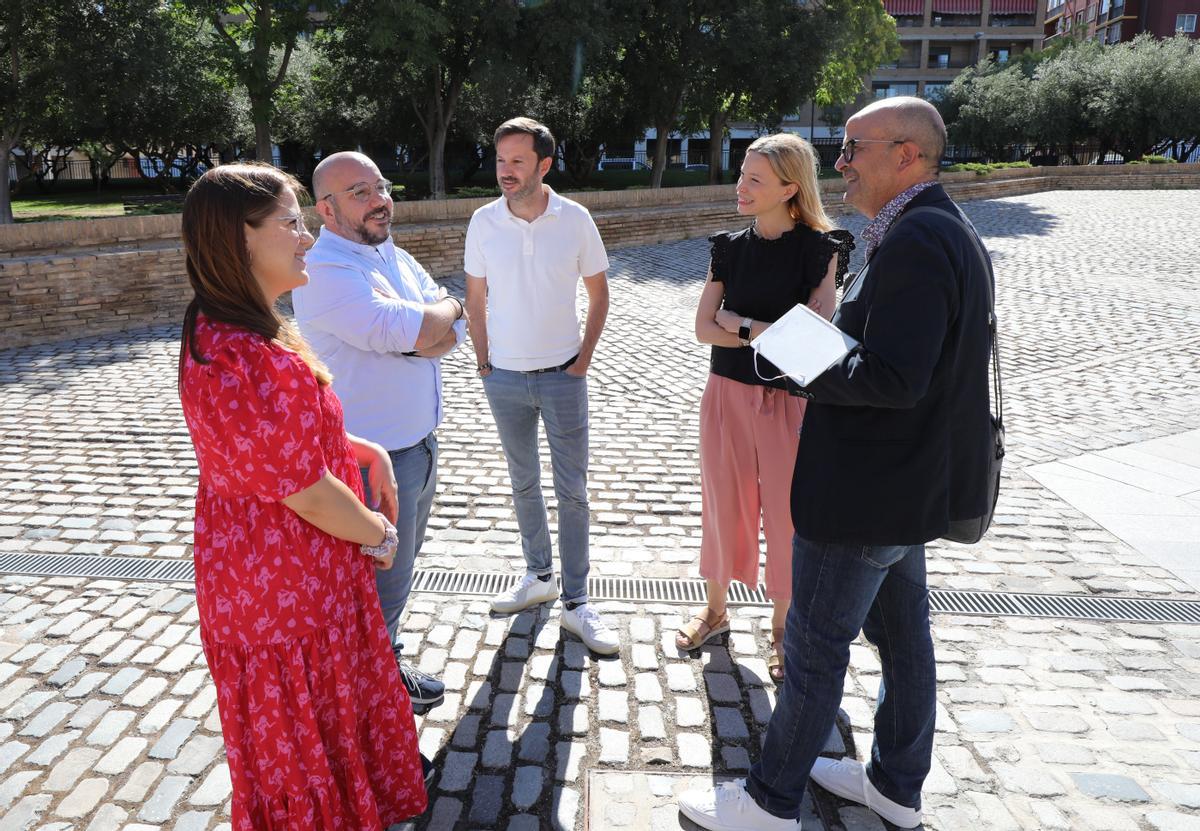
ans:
(744, 331)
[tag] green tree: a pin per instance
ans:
(1181, 121)
(1131, 110)
(36, 65)
(425, 51)
(570, 78)
(864, 38)
(988, 109)
(760, 61)
(256, 39)
(660, 64)
(1063, 87)
(163, 99)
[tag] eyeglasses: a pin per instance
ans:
(363, 191)
(849, 146)
(293, 222)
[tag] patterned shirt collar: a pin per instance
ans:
(875, 230)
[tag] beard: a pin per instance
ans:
(362, 233)
(528, 188)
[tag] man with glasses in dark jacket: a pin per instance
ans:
(896, 443)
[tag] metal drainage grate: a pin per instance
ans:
(650, 590)
(78, 565)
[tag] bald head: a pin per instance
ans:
(914, 119)
(342, 170)
(353, 199)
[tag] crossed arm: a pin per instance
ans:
(719, 327)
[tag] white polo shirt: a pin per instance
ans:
(532, 271)
(361, 310)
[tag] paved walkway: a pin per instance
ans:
(107, 718)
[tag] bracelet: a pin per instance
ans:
(390, 541)
(486, 366)
(462, 310)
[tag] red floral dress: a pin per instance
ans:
(318, 726)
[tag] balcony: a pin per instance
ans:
(1003, 21)
(957, 20)
(952, 54)
(909, 58)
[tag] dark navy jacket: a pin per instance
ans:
(896, 437)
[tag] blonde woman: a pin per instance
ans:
(750, 426)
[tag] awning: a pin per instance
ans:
(1014, 6)
(898, 7)
(956, 7)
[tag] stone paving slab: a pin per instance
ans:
(1147, 493)
(647, 801)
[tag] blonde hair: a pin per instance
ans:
(796, 163)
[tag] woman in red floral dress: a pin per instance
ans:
(318, 727)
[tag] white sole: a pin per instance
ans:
(703, 819)
(700, 819)
(861, 799)
(598, 650)
(508, 610)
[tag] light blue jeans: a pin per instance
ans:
(416, 483)
(517, 400)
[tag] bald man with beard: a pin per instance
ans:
(381, 325)
(896, 446)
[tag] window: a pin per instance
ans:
(1079, 19)
(947, 19)
(1091, 13)
(1185, 23)
(1104, 6)
(1114, 33)
(934, 91)
(890, 90)
(1000, 56)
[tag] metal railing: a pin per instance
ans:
(126, 168)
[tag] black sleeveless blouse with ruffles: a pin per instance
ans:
(764, 279)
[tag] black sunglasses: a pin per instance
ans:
(849, 147)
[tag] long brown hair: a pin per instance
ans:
(215, 214)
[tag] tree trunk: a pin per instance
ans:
(262, 140)
(437, 161)
(716, 139)
(660, 154)
(6, 214)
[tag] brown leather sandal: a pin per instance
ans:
(775, 662)
(698, 631)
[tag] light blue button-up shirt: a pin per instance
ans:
(361, 310)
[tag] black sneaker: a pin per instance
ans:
(425, 691)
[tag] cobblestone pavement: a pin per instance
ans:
(107, 717)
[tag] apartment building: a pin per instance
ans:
(1118, 21)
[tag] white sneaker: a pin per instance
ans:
(528, 591)
(584, 621)
(730, 808)
(847, 778)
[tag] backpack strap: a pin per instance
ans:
(960, 218)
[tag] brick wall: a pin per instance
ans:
(72, 279)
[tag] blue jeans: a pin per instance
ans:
(517, 400)
(416, 482)
(836, 591)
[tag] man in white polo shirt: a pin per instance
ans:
(525, 255)
(381, 324)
